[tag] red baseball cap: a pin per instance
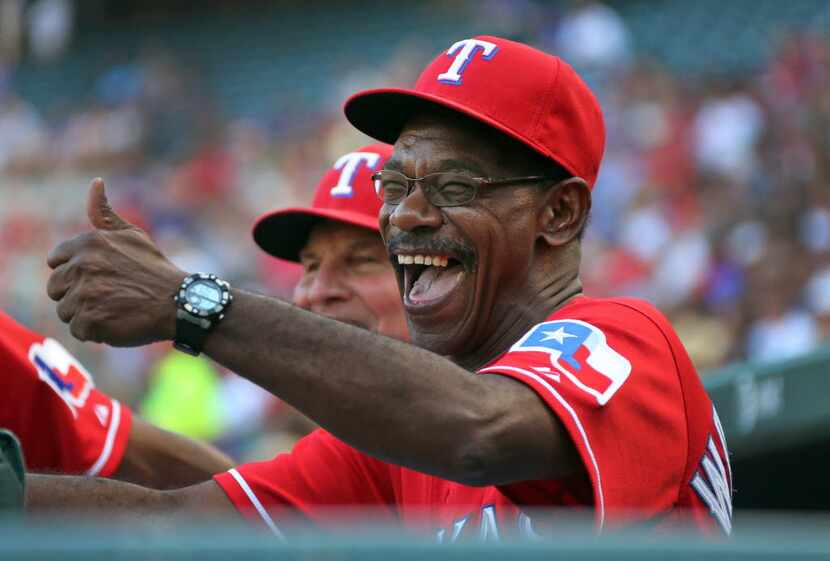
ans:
(532, 96)
(345, 194)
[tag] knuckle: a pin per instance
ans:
(79, 262)
(85, 262)
(78, 328)
(59, 255)
(64, 312)
(52, 287)
(95, 237)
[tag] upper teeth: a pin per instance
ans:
(434, 260)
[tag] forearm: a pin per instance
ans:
(161, 459)
(347, 379)
(93, 495)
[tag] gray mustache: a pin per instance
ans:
(427, 243)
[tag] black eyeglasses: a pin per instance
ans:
(441, 188)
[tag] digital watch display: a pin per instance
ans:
(202, 300)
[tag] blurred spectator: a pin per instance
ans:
(11, 31)
(50, 27)
(780, 327)
(781, 333)
(23, 135)
(593, 37)
(727, 128)
(184, 397)
(818, 301)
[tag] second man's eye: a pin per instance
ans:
(361, 259)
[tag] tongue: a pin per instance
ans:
(435, 283)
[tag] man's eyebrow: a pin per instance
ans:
(448, 164)
(366, 243)
(459, 165)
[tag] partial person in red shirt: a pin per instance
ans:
(68, 426)
(519, 391)
(50, 402)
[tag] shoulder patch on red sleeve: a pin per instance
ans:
(577, 350)
(62, 372)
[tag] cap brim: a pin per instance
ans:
(382, 114)
(284, 233)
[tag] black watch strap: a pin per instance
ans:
(191, 333)
(197, 314)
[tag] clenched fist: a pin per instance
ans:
(112, 284)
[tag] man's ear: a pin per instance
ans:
(563, 211)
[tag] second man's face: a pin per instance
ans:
(347, 276)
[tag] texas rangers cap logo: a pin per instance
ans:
(349, 165)
(464, 51)
(62, 372)
(581, 352)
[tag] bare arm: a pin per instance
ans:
(160, 459)
(53, 494)
(423, 411)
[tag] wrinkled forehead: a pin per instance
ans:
(438, 137)
(445, 128)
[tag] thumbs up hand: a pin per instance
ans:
(112, 284)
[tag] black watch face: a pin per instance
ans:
(205, 296)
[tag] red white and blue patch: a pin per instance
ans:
(62, 372)
(579, 351)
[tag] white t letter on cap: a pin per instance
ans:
(464, 52)
(349, 164)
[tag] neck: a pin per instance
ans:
(520, 314)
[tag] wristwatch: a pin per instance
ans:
(201, 302)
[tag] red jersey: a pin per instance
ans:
(615, 374)
(64, 424)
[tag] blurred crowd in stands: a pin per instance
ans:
(713, 199)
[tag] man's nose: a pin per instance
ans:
(415, 211)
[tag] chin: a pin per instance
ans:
(447, 338)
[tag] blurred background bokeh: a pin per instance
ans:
(712, 202)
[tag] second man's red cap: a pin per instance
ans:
(344, 194)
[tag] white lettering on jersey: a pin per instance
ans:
(711, 481)
(526, 528)
(722, 437)
(349, 164)
(489, 529)
(457, 526)
(464, 52)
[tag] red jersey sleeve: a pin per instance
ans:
(320, 474)
(607, 371)
(49, 400)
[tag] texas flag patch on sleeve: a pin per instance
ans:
(569, 351)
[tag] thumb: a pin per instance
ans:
(99, 211)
